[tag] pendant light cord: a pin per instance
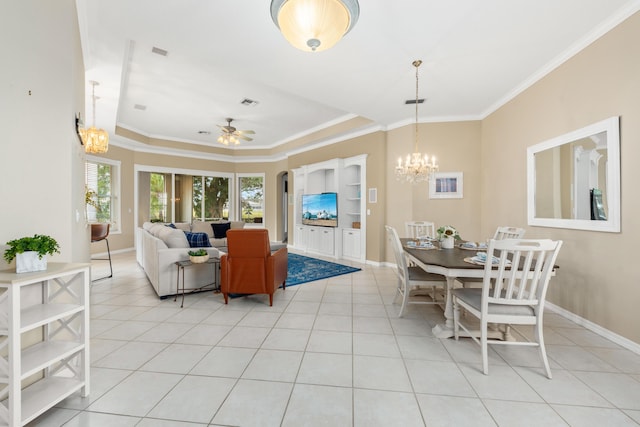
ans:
(416, 64)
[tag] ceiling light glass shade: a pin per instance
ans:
(96, 141)
(314, 25)
(227, 139)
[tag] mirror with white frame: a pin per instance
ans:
(573, 180)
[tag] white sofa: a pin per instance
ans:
(159, 247)
(206, 227)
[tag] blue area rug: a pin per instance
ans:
(303, 269)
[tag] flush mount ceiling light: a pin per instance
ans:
(96, 141)
(314, 25)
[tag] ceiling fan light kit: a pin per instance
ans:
(314, 25)
(231, 135)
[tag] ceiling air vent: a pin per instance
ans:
(159, 51)
(413, 101)
(204, 132)
(249, 102)
(140, 107)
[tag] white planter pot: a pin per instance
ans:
(447, 243)
(198, 259)
(29, 261)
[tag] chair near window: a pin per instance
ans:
(100, 232)
(516, 295)
(417, 229)
(415, 285)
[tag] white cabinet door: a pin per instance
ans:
(327, 241)
(300, 237)
(351, 243)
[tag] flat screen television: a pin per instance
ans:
(320, 209)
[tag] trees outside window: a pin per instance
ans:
(158, 198)
(210, 197)
(102, 189)
(251, 200)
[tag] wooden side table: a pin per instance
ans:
(181, 265)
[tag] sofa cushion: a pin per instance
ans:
(202, 227)
(156, 228)
(220, 229)
(198, 240)
(184, 226)
(173, 238)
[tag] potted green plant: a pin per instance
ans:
(31, 252)
(198, 256)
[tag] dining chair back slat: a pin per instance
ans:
(513, 291)
(415, 285)
(417, 229)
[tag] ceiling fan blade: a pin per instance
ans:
(246, 138)
(250, 132)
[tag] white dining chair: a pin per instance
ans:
(500, 234)
(415, 285)
(417, 229)
(516, 295)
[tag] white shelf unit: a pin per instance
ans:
(56, 301)
(347, 177)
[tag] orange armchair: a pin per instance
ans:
(249, 267)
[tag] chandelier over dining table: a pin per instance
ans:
(417, 167)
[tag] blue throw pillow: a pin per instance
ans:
(198, 240)
(220, 230)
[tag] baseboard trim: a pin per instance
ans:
(118, 251)
(594, 327)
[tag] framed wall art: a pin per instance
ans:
(446, 185)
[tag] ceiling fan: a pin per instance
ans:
(232, 135)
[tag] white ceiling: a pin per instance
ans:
(477, 54)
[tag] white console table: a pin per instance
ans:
(56, 301)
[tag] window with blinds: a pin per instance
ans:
(102, 191)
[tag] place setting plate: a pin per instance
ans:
(424, 245)
(478, 246)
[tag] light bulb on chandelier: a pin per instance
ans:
(416, 167)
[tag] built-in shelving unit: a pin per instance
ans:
(347, 177)
(57, 302)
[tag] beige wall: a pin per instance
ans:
(597, 279)
(456, 146)
(41, 159)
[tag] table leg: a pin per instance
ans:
(445, 330)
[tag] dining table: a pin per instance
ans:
(451, 264)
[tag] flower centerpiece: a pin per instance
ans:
(198, 256)
(447, 236)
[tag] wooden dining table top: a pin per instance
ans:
(452, 259)
(447, 258)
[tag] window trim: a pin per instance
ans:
(177, 171)
(116, 191)
(238, 199)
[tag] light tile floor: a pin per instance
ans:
(329, 353)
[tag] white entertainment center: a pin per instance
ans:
(347, 178)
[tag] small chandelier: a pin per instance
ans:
(416, 167)
(314, 25)
(96, 141)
